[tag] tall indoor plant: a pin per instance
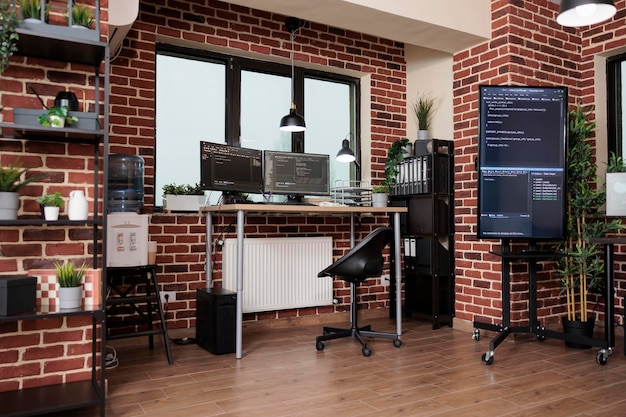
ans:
(581, 267)
(69, 278)
(8, 33)
(423, 108)
(10, 183)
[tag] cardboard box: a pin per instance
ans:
(17, 294)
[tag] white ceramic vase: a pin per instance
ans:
(77, 208)
(70, 297)
(9, 203)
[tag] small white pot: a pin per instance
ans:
(56, 121)
(379, 200)
(422, 134)
(70, 297)
(51, 214)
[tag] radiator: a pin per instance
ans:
(280, 273)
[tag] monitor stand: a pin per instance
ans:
(296, 200)
(233, 197)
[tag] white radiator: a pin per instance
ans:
(280, 273)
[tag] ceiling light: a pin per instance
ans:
(293, 122)
(575, 13)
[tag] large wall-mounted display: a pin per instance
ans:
(522, 161)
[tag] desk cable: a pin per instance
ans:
(180, 340)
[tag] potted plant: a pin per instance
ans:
(57, 116)
(82, 17)
(69, 279)
(10, 183)
(183, 197)
(31, 11)
(51, 205)
(380, 195)
(581, 267)
(395, 155)
(8, 33)
(423, 108)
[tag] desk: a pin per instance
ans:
(242, 210)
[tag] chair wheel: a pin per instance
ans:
(319, 345)
(366, 352)
(397, 342)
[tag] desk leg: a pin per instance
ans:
(238, 338)
(208, 267)
(609, 318)
(398, 271)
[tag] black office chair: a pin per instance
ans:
(362, 261)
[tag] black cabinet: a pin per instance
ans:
(216, 314)
(425, 186)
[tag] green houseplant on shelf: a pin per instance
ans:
(57, 116)
(183, 197)
(423, 108)
(395, 156)
(69, 279)
(31, 11)
(13, 178)
(82, 16)
(8, 33)
(581, 267)
(51, 205)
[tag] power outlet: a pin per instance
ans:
(171, 296)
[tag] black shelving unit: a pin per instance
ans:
(425, 185)
(74, 47)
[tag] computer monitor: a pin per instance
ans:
(230, 169)
(296, 174)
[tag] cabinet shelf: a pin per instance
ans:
(60, 48)
(51, 134)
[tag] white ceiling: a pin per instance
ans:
(443, 25)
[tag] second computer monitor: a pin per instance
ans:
(296, 174)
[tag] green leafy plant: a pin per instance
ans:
(380, 189)
(67, 274)
(423, 108)
(10, 177)
(8, 33)
(581, 267)
(51, 200)
(54, 115)
(31, 9)
(395, 155)
(183, 189)
(82, 16)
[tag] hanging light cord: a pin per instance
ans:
(293, 81)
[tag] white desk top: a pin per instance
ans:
(301, 209)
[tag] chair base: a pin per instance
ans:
(330, 333)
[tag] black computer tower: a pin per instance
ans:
(216, 314)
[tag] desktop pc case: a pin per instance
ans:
(216, 314)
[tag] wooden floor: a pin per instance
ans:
(434, 373)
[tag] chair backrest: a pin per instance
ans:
(363, 260)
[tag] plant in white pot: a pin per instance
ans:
(31, 11)
(57, 116)
(380, 195)
(184, 197)
(69, 279)
(10, 183)
(51, 205)
(82, 17)
(423, 108)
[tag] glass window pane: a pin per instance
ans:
(265, 99)
(328, 120)
(190, 107)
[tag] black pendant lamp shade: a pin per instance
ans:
(575, 13)
(293, 122)
(345, 154)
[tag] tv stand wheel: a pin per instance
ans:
(319, 345)
(366, 351)
(397, 342)
(602, 358)
(488, 357)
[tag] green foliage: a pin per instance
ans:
(51, 200)
(423, 108)
(8, 33)
(183, 189)
(395, 155)
(67, 274)
(31, 9)
(82, 15)
(63, 112)
(380, 189)
(10, 177)
(582, 266)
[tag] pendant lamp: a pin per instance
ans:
(293, 122)
(345, 154)
(575, 13)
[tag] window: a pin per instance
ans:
(204, 96)
(616, 80)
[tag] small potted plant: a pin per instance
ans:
(379, 195)
(82, 17)
(423, 108)
(69, 279)
(8, 33)
(395, 155)
(10, 183)
(57, 116)
(31, 11)
(51, 205)
(184, 197)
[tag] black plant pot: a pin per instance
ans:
(578, 328)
